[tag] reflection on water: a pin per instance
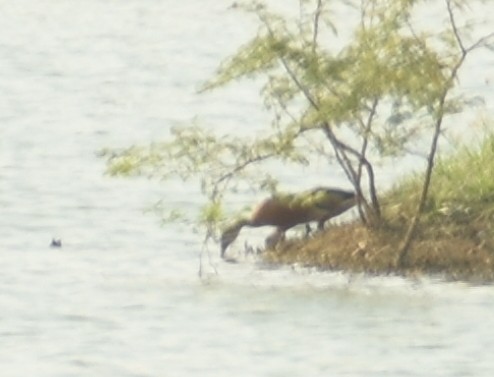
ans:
(122, 296)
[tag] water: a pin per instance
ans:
(122, 297)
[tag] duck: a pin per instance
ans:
(284, 211)
(56, 242)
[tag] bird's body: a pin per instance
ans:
(288, 210)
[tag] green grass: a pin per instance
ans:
(462, 188)
(467, 178)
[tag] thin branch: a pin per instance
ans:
(439, 115)
(225, 178)
(363, 150)
(368, 166)
(283, 108)
(317, 15)
(481, 42)
(454, 27)
(290, 72)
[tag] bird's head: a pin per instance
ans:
(230, 234)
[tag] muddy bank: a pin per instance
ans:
(352, 247)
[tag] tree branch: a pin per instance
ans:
(317, 15)
(439, 116)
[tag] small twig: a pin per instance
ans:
(317, 15)
(454, 26)
(363, 151)
(225, 178)
(290, 72)
(204, 248)
(481, 42)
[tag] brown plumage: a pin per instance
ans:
(286, 211)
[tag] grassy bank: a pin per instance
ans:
(456, 234)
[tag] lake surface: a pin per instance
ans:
(122, 297)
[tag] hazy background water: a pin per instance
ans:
(122, 297)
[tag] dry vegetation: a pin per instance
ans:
(455, 238)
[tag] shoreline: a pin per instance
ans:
(354, 248)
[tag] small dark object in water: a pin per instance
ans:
(56, 243)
